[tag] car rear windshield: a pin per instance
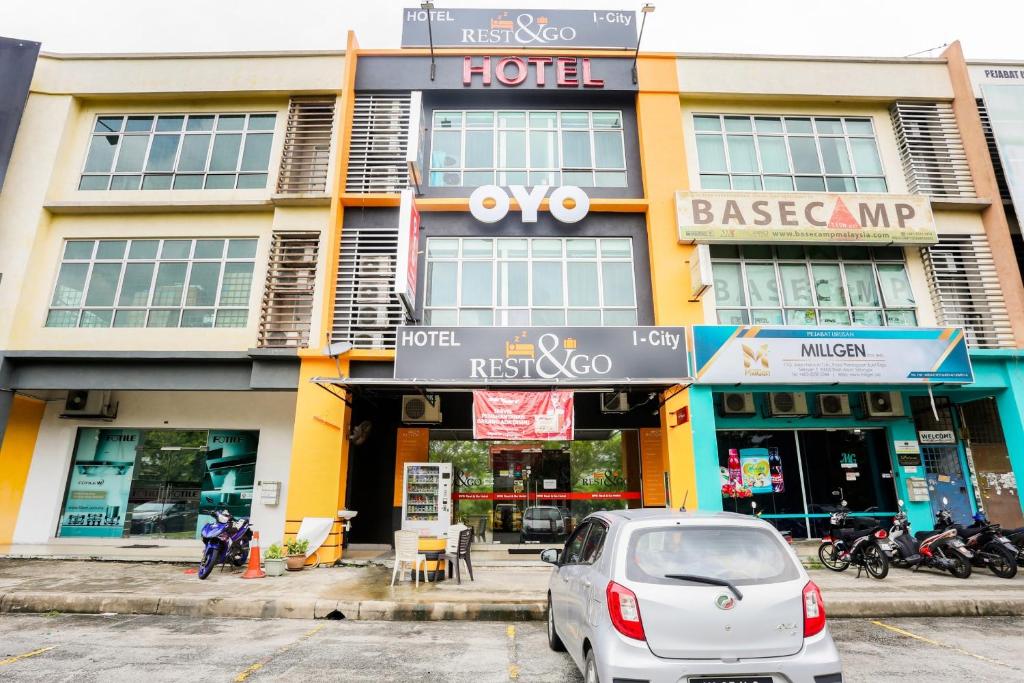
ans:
(543, 513)
(742, 555)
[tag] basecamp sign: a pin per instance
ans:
(712, 217)
(612, 29)
(729, 354)
(492, 355)
(523, 415)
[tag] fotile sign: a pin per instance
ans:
(722, 217)
(523, 28)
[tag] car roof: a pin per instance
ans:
(666, 514)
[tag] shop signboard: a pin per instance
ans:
(735, 355)
(933, 437)
(547, 28)
(804, 217)
(408, 251)
(100, 480)
(756, 471)
(523, 415)
(541, 355)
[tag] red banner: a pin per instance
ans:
(515, 415)
(549, 495)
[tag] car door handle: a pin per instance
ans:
(587, 583)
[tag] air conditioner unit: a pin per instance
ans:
(734, 403)
(417, 408)
(89, 405)
(883, 403)
(833, 405)
(787, 404)
(372, 316)
(617, 402)
(368, 340)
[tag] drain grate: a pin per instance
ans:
(140, 545)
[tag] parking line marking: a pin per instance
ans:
(26, 655)
(936, 643)
(256, 666)
(513, 653)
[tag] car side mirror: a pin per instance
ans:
(550, 556)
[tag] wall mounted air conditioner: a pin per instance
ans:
(373, 316)
(89, 405)
(833, 405)
(735, 403)
(787, 404)
(617, 402)
(418, 408)
(883, 404)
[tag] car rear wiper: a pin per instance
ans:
(709, 580)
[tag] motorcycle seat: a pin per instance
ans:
(921, 535)
(854, 534)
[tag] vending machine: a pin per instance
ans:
(427, 497)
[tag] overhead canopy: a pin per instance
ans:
(449, 385)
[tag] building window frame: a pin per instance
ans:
(531, 175)
(501, 313)
(888, 314)
(757, 127)
(224, 307)
(185, 126)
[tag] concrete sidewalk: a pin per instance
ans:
(498, 593)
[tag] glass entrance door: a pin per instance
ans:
(168, 478)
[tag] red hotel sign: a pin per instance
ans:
(569, 72)
(515, 415)
(548, 495)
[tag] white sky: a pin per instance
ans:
(988, 29)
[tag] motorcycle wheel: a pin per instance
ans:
(961, 567)
(241, 556)
(1003, 564)
(829, 557)
(207, 563)
(875, 562)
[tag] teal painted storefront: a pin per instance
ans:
(998, 375)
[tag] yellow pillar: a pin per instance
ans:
(19, 442)
(319, 464)
(663, 157)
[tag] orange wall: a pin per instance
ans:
(15, 458)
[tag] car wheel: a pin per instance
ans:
(554, 642)
(590, 669)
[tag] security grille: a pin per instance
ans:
(307, 145)
(377, 143)
(993, 151)
(366, 309)
(288, 295)
(931, 149)
(965, 289)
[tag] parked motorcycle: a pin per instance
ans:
(225, 539)
(990, 547)
(1016, 537)
(940, 549)
(866, 548)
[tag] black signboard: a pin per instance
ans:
(909, 459)
(539, 28)
(17, 64)
(545, 355)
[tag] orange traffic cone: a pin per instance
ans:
(253, 571)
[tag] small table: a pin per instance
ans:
(433, 547)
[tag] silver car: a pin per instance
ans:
(675, 597)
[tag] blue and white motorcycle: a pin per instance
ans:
(224, 539)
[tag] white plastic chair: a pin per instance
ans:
(407, 551)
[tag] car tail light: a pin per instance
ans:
(814, 610)
(826, 539)
(624, 611)
(881, 533)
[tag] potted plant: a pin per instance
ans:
(296, 553)
(273, 561)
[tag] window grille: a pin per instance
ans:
(965, 289)
(930, 147)
(307, 145)
(366, 308)
(288, 294)
(377, 143)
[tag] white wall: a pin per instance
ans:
(272, 413)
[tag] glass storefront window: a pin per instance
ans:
(134, 482)
(499, 484)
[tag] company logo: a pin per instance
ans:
(522, 29)
(755, 361)
(548, 358)
(724, 601)
(490, 203)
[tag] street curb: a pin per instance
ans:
(391, 610)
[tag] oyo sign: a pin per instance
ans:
(490, 203)
(570, 72)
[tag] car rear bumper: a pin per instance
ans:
(620, 659)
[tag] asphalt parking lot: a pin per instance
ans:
(63, 647)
